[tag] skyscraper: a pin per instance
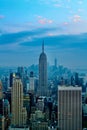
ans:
(1, 93)
(31, 79)
(19, 114)
(2, 119)
(69, 108)
(12, 76)
(43, 73)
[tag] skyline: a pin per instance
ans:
(62, 24)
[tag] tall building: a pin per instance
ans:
(43, 73)
(2, 119)
(19, 113)
(1, 93)
(12, 76)
(69, 108)
(31, 79)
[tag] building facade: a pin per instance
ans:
(31, 79)
(69, 108)
(19, 113)
(43, 73)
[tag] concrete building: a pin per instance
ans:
(2, 122)
(39, 125)
(1, 94)
(40, 103)
(21, 128)
(19, 113)
(31, 79)
(43, 73)
(12, 76)
(69, 108)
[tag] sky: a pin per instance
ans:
(62, 24)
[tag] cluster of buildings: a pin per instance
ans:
(29, 103)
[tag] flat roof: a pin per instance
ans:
(69, 88)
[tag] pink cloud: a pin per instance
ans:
(66, 23)
(77, 18)
(44, 21)
(1, 16)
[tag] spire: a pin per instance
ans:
(43, 46)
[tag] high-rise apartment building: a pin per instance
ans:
(69, 108)
(43, 73)
(19, 113)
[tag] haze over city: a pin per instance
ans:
(62, 24)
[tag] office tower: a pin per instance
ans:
(2, 119)
(43, 73)
(76, 79)
(1, 93)
(2, 123)
(50, 105)
(72, 81)
(6, 108)
(69, 108)
(1, 107)
(12, 76)
(19, 113)
(20, 71)
(40, 103)
(31, 79)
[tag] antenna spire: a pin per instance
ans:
(43, 46)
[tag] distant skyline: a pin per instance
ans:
(62, 24)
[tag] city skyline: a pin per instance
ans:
(62, 24)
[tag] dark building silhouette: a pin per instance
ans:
(1, 106)
(76, 79)
(11, 79)
(20, 71)
(31, 74)
(72, 81)
(43, 73)
(50, 105)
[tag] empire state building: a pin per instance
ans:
(43, 73)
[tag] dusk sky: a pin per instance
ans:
(62, 24)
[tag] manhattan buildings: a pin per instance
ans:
(69, 108)
(43, 73)
(19, 113)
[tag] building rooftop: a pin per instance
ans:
(69, 88)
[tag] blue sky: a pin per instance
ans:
(62, 24)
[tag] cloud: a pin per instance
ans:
(80, 10)
(57, 5)
(2, 16)
(44, 21)
(27, 45)
(80, 2)
(65, 23)
(24, 36)
(76, 18)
